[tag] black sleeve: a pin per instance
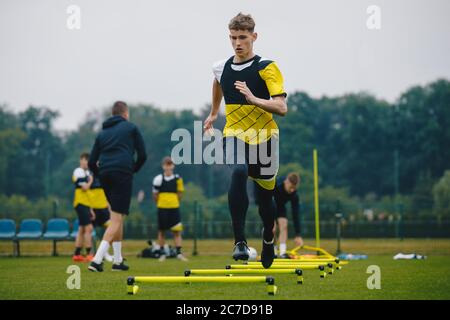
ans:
(140, 150)
(80, 182)
(296, 213)
(93, 158)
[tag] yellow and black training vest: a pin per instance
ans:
(79, 177)
(247, 122)
(97, 195)
(168, 189)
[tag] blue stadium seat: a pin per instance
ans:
(7, 229)
(57, 229)
(30, 229)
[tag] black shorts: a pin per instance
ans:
(280, 210)
(101, 217)
(168, 218)
(263, 170)
(117, 186)
(84, 215)
(280, 214)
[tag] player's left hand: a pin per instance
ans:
(298, 241)
(242, 87)
(92, 215)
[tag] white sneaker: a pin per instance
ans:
(181, 257)
(162, 258)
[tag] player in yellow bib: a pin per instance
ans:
(92, 209)
(82, 180)
(167, 190)
(252, 87)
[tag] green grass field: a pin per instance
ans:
(35, 276)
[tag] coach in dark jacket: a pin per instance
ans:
(115, 146)
(112, 159)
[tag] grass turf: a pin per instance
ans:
(45, 277)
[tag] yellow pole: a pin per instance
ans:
(316, 198)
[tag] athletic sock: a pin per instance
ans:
(178, 250)
(282, 248)
(102, 249)
(117, 250)
(238, 201)
(88, 251)
(77, 251)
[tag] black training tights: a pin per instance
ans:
(238, 204)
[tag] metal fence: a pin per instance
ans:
(357, 229)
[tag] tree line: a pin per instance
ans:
(387, 157)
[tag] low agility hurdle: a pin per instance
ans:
(133, 288)
(232, 272)
(309, 260)
(319, 263)
(321, 268)
(338, 263)
(330, 265)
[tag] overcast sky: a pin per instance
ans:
(161, 52)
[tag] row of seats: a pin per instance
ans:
(32, 229)
(57, 229)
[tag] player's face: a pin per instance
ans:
(242, 42)
(83, 163)
(289, 187)
(168, 168)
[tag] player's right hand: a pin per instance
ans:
(208, 124)
(298, 241)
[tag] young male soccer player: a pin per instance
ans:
(253, 91)
(167, 190)
(82, 180)
(286, 191)
(91, 206)
(112, 159)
